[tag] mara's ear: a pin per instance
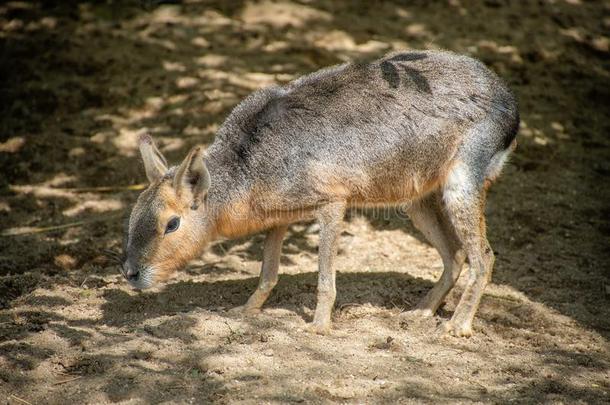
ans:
(193, 175)
(155, 164)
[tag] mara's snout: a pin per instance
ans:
(140, 277)
(429, 129)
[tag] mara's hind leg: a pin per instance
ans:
(428, 216)
(269, 270)
(464, 201)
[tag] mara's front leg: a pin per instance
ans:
(269, 270)
(330, 218)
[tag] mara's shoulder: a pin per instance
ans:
(271, 104)
(249, 109)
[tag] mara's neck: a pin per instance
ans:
(226, 212)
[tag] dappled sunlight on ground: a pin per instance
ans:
(81, 82)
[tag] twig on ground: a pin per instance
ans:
(103, 189)
(62, 373)
(230, 328)
(401, 309)
(231, 333)
(67, 381)
(19, 231)
(446, 351)
(502, 297)
(33, 230)
(84, 281)
(19, 399)
(347, 305)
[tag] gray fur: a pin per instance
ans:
(428, 127)
(351, 116)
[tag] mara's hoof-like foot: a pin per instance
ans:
(457, 329)
(420, 313)
(320, 328)
(245, 310)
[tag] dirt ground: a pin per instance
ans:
(79, 83)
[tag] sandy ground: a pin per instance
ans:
(81, 81)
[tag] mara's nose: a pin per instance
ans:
(131, 274)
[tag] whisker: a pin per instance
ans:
(111, 253)
(114, 260)
(122, 270)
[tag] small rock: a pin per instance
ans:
(65, 261)
(384, 345)
(601, 44)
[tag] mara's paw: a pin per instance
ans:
(419, 313)
(457, 329)
(320, 328)
(245, 310)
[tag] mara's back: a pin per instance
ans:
(379, 132)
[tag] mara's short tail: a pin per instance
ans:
(496, 164)
(511, 123)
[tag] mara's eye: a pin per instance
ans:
(172, 224)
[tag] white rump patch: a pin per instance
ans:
(458, 186)
(497, 163)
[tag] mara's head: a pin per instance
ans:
(165, 225)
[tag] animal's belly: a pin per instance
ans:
(395, 190)
(381, 184)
